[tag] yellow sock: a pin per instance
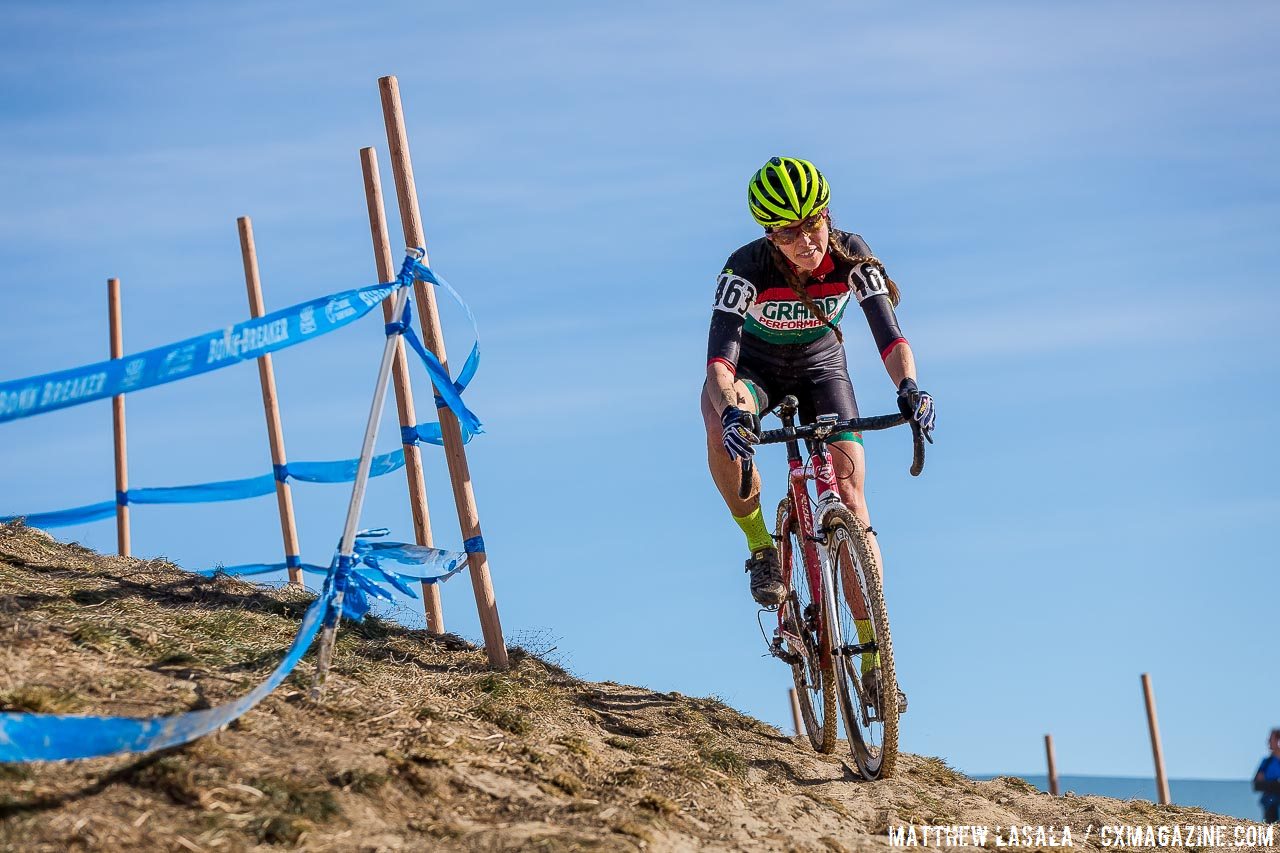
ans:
(757, 534)
(865, 635)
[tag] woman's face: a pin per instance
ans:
(804, 243)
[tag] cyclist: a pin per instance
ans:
(775, 331)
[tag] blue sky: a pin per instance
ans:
(1079, 201)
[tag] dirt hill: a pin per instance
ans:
(418, 746)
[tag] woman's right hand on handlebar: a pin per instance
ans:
(741, 432)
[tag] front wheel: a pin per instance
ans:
(800, 627)
(867, 685)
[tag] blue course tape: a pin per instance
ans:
(48, 737)
(233, 345)
(447, 391)
(67, 517)
(431, 433)
(344, 471)
(474, 545)
(413, 562)
(250, 569)
(223, 490)
(34, 395)
(430, 565)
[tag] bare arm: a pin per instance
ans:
(900, 363)
(720, 388)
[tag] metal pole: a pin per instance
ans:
(270, 405)
(347, 545)
(404, 390)
(117, 421)
(796, 716)
(433, 338)
(1053, 765)
(1162, 783)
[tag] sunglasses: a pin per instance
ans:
(790, 234)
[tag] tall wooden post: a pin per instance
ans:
(796, 717)
(117, 421)
(386, 268)
(267, 377)
(1162, 783)
(1053, 765)
(433, 338)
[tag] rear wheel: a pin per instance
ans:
(800, 623)
(864, 649)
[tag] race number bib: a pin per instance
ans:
(734, 294)
(867, 281)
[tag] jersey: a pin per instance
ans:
(756, 314)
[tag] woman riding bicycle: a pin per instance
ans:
(775, 331)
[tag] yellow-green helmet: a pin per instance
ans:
(787, 190)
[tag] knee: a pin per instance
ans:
(853, 496)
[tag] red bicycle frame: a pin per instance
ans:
(823, 473)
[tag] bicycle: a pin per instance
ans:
(825, 665)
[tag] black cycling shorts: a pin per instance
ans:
(820, 382)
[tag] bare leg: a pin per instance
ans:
(851, 478)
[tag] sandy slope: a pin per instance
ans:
(418, 746)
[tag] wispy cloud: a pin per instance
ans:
(1071, 325)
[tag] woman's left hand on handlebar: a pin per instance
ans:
(917, 406)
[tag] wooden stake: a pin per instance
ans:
(387, 271)
(267, 377)
(433, 338)
(1053, 766)
(1162, 783)
(796, 716)
(117, 420)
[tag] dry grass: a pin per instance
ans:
(417, 745)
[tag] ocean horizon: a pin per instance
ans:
(1232, 797)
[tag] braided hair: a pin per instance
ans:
(796, 279)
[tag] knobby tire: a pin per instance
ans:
(848, 550)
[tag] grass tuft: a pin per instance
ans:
(279, 829)
(34, 699)
(658, 804)
(171, 775)
(506, 718)
(295, 798)
(568, 783)
(357, 781)
(632, 776)
(576, 744)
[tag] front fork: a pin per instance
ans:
(819, 469)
